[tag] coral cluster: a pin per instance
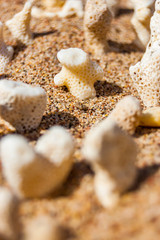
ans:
(37, 172)
(78, 73)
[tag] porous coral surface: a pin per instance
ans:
(137, 215)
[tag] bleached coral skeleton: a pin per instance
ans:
(78, 73)
(37, 172)
(97, 19)
(43, 227)
(143, 11)
(50, 4)
(112, 155)
(6, 52)
(70, 8)
(146, 73)
(127, 114)
(21, 104)
(19, 25)
(9, 219)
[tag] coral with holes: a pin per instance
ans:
(9, 219)
(22, 105)
(78, 73)
(112, 155)
(127, 114)
(37, 172)
(6, 52)
(143, 11)
(97, 20)
(19, 25)
(146, 73)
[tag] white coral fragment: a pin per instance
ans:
(127, 114)
(50, 4)
(6, 52)
(97, 20)
(42, 228)
(112, 154)
(141, 21)
(150, 117)
(70, 8)
(35, 173)
(9, 219)
(22, 105)
(78, 73)
(19, 25)
(146, 74)
(113, 6)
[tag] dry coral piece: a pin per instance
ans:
(146, 73)
(113, 6)
(78, 73)
(150, 117)
(97, 19)
(143, 10)
(42, 228)
(50, 4)
(6, 52)
(37, 172)
(9, 219)
(21, 104)
(112, 155)
(127, 114)
(19, 25)
(70, 8)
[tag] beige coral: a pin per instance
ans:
(37, 172)
(70, 8)
(97, 20)
(127, 114)
(78, 73)
(19, 25)
(6, 52)
(146, 74)
(22, 105)
(9, 219)
(112, 154)
(150, 117)
(42, 228)
(143, 11)
(113, 6)
(50, 4)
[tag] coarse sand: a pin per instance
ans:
(74, 206)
